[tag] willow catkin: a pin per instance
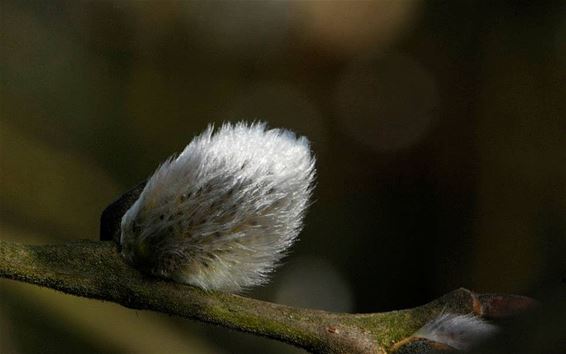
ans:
(461, 332)
(221, 215)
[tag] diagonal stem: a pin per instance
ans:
(95, 270)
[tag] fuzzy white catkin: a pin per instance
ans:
(458, 331)
(221, 215)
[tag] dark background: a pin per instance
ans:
(438, 127)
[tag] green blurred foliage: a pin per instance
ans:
(438, 126)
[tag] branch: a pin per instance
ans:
(96, 270)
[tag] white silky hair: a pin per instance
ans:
(221, 215)
(458, 331)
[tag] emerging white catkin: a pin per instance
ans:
(221, 215)
(458, 331)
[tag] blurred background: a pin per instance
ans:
(439, 129)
